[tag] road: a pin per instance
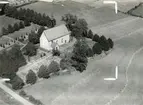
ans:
(14, 95)
(126, 90)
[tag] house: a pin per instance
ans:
(54, 37)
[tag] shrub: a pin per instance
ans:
(35, 101)
(22, 93)
(4, 31)
(26, 23)
(65, 63)
(16, 27)
(43, 72)
(97, 48)
(104, 43)
(90, 34)
(31, 77)
(89, 52)
(10, 29)
(17, 83)
(111, 43)
(30, 49)
(55, 52)
(53, 67)
(21, 25)
(96, 38)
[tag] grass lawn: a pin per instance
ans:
(5, 21)
(92, 15)
(5, 99)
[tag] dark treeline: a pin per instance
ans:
(28, 16)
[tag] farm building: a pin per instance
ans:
(54, 37)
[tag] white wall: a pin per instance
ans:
(44, 43)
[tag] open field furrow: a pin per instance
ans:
(120, 30)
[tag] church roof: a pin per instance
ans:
(56, 32)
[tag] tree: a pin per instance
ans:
(53, 67)
(55, 52)
(104, 43)
(21, 24)
(70, 20)
(16, 27)
(89, 52)
(4, 31)
(90, 34)
(10, 29)
(10, 61)
(31, 77)
(66, 62)
(79, 56)
(96, 38)
(17, 83)
(43, 72)
(79, 28)
(34, 37)
(30, 49)
(111, 43)
(27, 23)
(16, 55)
(97, 48)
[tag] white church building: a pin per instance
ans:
(54, 37)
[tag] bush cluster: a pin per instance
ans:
(102, 44)
(44, 71)
(31, 77)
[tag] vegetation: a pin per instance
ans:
(53, 67)
(79, 56)
(35, 37)
(30, 49)
(90, 34)
(104, 43)
(78, 27)
(10, 61)
(89, 52)
(96, 38)
(111, 43)
(31, 77)
(29, 16)
(66, 62)
(11, 29)
(43, 72)
(30, 98)
(17, 83)
(55, 52)
(97, 48)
